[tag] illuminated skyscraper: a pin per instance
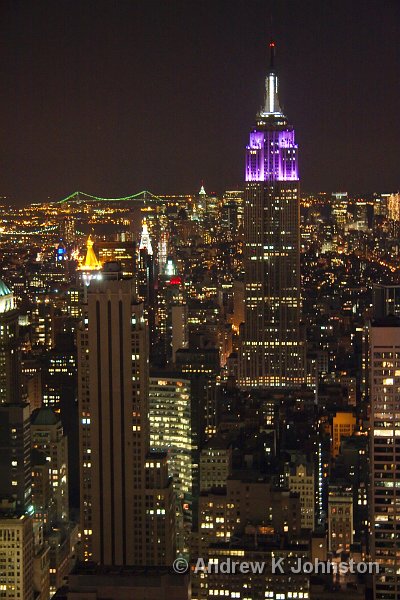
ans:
(386, 300)
(394, 214)
(145, 241)
(202, 203)
(170, 303)
(90, 267)
(340, 202)
(171, 432)
(48, 437)
(124, 253)
(384, 454)
(145, 280)
(272, 352)
(16, 555)
(162, 250)
(68, 229)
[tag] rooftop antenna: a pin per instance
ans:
(272, 40)
(272, 55)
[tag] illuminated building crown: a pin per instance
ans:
(6, 298)
(272, 151)
(145, 241)
(91, 262)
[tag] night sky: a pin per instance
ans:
(112, 97)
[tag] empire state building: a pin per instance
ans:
(272, 351)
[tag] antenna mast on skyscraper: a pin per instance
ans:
(271, 56)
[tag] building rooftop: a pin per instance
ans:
(4, 290)
(388, 321)
(93, 576)
(44, 416)
(91, 262)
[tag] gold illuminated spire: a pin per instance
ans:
(91, 262)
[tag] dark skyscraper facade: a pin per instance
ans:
(272, 352)
(15, 465)
(10, 383)
(126, 496)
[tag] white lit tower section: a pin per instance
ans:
(272, 351)
(146, 280)
(145, 241)
(162, 250)
(171, 312)
(385, 455)
(202, 204)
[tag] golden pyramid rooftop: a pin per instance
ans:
(91, 262)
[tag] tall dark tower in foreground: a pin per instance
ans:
(127, 503)
(10, 348)
(272, 352)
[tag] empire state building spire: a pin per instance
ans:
(271, 104)
(272, 346)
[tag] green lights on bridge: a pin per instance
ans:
(144, 195)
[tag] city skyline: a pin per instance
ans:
(200, 383)
(93, 114)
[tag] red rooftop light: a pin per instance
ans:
(175, 280)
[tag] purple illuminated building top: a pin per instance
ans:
(272, 152)
(271, 344)
(271, 156)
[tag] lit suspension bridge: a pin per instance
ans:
(82, 197)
